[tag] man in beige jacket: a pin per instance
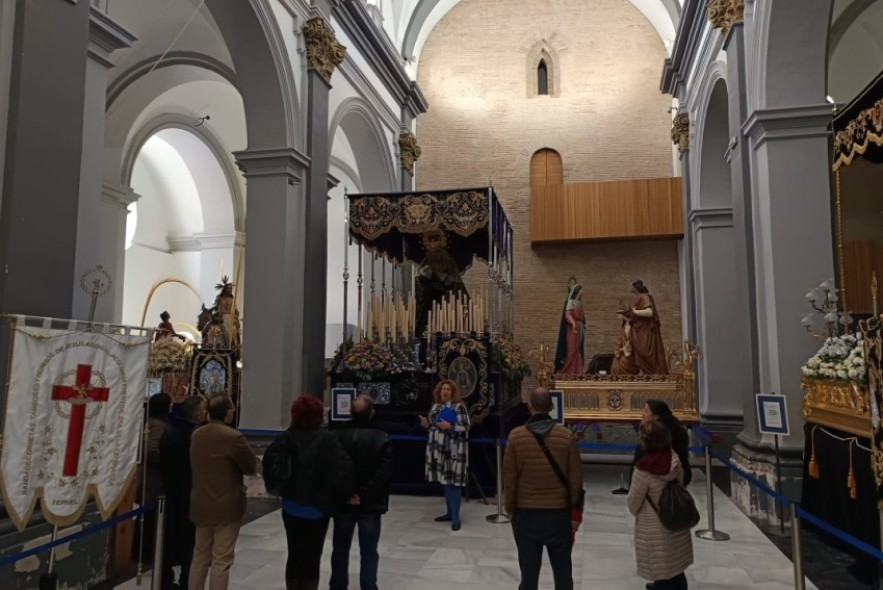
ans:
(219, 457)
(535, 496)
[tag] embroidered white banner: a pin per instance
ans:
(73, 421)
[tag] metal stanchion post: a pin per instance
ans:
(156, 577)
(796, 550)
(710, 534)
(499, 517)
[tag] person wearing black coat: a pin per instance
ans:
(177, 479)
(320, 481)
(371, 452)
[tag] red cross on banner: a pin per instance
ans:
(78, 396)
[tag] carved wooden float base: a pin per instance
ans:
(622, 398)
(838, 404)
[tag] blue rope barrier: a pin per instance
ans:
(706, 436)
(78, 535)
(407, 437)
(606, 447)
(845, 537)
(751, 479)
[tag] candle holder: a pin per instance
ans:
(823, 300)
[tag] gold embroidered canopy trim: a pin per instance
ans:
(862, 132)
(462, 213)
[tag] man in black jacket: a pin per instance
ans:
(371, 451)
(177, 478)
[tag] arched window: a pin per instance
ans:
(542, 78)
(546, 167)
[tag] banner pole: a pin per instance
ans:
(139, 572)
(49, 580)
(156, 579)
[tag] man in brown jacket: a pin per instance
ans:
(535, 496)
(219, 457)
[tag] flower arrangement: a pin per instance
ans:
(168, 354)
(369, 359)
(509, 358)
(841, 358)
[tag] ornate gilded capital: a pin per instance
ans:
(324, 53)
(409, 151)
(723, 14)
(680, 131)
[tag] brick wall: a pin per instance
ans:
(609, 121)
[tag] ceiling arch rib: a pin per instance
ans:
(662, 14)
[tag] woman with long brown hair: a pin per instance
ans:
(446, 450)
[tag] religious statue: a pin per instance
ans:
(219, 324)
(644, 335)
(225, 308)
(623, 361)
(437, 276)
(569, 358)
(165, 328)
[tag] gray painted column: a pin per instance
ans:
(115, 199)
(324, 54)
(44, 144)
(792, 240)
(721, 322)
(274, 341)
(743, 245)
(408, 152)
(7, 28)
(105, 37)
(688, 298)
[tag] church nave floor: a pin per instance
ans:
(417, 553)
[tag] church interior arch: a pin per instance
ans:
(361, 161)
(721, 377)
(182, 227)
(855, 47)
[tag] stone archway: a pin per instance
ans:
(361, 153)
(183, 227)
(722, 376)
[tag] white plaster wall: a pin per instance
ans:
(156, 24)
(858, 58)
(153, 266)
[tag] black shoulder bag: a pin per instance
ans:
(581, 497)
(677, 510)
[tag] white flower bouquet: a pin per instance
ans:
(168, 354)
(841, 358)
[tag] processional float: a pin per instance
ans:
(433, 317)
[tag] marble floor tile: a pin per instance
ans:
(417, 553)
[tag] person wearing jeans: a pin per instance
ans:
(536, 496)
(320, 481)
(371, 452)
(446, 448)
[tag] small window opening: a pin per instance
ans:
(542, 78)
